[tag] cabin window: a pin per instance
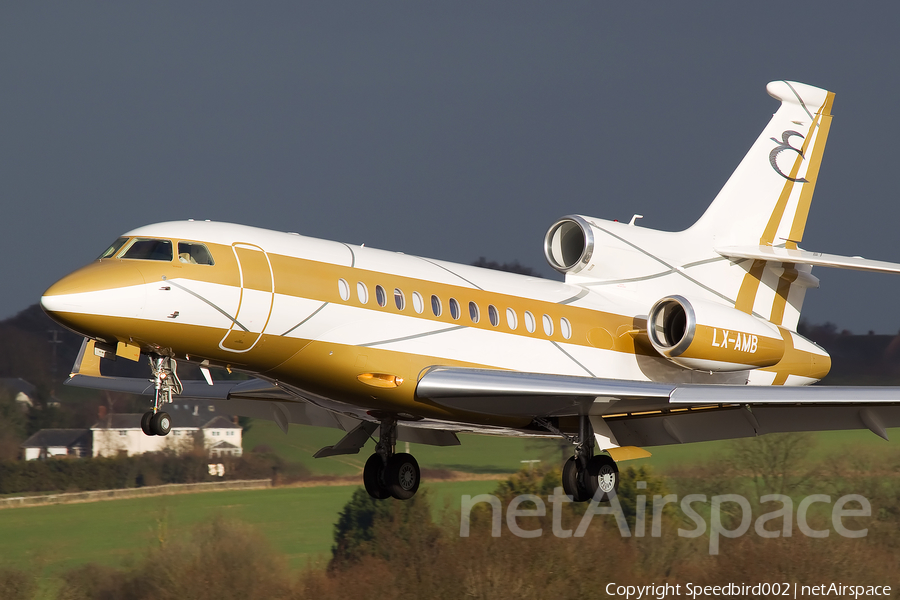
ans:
(548, 324)
(418, 303)
(399, 299)
(493, 315)
(529, 322)
(511, 319)
(474, 313)
(380, 296)
(454, 308)
(344, 289)
(144, 249)
(362, 292)
(436, 307)
(194, 254)
(565, 328)
(113, 248)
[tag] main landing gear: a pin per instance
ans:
(165, 377)
(389, 474)
(586, 476)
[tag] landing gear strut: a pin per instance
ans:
(165, 378)
(389, 474)
(586, 476)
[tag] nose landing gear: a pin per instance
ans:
(165, 377)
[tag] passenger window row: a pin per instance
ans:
(437, 309)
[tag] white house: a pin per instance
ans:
(50, 443)
(23, 392)
(121, 434)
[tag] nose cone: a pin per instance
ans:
(88, 300)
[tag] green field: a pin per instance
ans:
(297, 521)
(492, 454)
(476, 454)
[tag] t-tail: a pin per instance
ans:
(744, 251)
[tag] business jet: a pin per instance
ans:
(653, 338)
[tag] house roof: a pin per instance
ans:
(17, 384)
(61, 438)
(220, 422)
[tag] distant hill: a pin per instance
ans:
(27, 349)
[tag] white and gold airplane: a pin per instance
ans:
(654, 337)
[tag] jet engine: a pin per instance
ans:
(706, 336)
(569, 244)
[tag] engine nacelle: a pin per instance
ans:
(569, 244)
(705, 336)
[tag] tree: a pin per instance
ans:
(13, 427)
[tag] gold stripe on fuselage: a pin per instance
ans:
(332, 369)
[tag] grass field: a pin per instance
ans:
(491, 454)
(476, 454)
(297, 521)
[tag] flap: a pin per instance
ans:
(514, 393)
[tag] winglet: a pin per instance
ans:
(87, 362)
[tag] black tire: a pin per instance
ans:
(145, 423)
(373, 478)
(161, 423)
(571, 481)
(601, 477)
(402, 476)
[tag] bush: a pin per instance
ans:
(17, 585)
(155, 468)
(221, 560)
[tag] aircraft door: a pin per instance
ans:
(257, 297)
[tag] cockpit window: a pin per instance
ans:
(144, 249)
(113, 248)
(194, 254)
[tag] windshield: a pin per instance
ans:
(193, 253)
(113, 248)
(147, 249)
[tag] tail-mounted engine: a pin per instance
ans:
(710, 337)
(569, 244)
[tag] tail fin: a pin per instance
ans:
(766, 200)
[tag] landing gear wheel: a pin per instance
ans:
(601, 477)
(373, 478)
(402, 476)
(161, 423)
(145, 423)
(571, 481)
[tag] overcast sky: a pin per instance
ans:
(449, 130)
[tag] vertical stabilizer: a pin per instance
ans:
(766, 200)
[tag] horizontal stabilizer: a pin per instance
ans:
(796, 256)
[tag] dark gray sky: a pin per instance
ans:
(449, 130)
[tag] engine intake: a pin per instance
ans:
(705, 336)
(569, 244)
